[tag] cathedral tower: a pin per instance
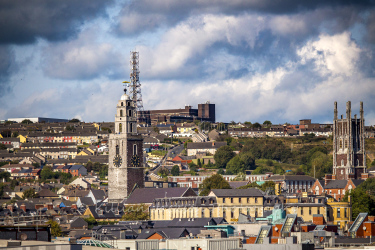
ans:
(349, 156)
(125, 152)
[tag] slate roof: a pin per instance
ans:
(237, 184)
(76, 167)
(188, 223)
(108, 211)
(147, 195)
(47, 193)
(357, 182)
(78, 222)
(250, 192)
(98, 194)
(336, 184)
(87, 201)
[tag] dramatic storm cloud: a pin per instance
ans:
(256, 60)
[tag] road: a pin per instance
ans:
(172, 152)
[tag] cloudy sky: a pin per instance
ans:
(278, 60)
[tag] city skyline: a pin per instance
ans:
(256, 60)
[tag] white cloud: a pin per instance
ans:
(193, 37)
(336, 54)
(83, 58)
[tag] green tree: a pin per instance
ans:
(55, 228)
(29, 193)
(221, 171)
(257, 125)
(268, 185)
(3, 147)
(199, 163)
(216, 181)
(163, 172)
(103, 172)
(15, 134)
(91, 222)
(5, 176)
(267, 123)
(175, 171)
(65, 178)
(47, 173)
(26, 121)
(240, 163)
(362, 202)
(223, 155)
(13, 184)
(136, 212)
(74, 120)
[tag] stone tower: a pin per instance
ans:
(125, 152)
(349, 156)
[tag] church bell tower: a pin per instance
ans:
(125, 152)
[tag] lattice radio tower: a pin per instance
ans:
(135, 85)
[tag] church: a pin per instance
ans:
(126, 169)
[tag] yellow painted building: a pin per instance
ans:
(226, 203)
(339, 212)
(23, 139)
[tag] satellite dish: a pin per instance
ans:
(23, 237)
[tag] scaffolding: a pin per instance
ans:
(135, 85)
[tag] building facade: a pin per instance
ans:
(125, 153)
(349, 156)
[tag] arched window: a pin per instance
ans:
(342, 162)
(129, 113)
(120, 112)
(134, 149)
(122, 104)
(130, 128)
(128, 104)
(120, 128)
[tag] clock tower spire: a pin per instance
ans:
(125, 168)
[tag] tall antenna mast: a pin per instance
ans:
(135, 85)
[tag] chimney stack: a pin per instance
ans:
(23, 207)
(10, 207)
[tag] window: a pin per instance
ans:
(134, 149)
(202, 213)
(256, 200)
(318, 210)
(210, 213)
(301, 210)
(248, 211)
(239, 200)
(129, 113)
(121, 112)
(223, 200)
(231, 200)
(248, 200)
(122, 104)
(120, 128)
(128, 104)
(232, 213)
(338, 213)
(117, 150)
(345, 212)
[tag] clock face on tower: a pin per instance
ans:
(117, 160)
(135, 161)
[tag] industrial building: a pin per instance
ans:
(205, 112)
